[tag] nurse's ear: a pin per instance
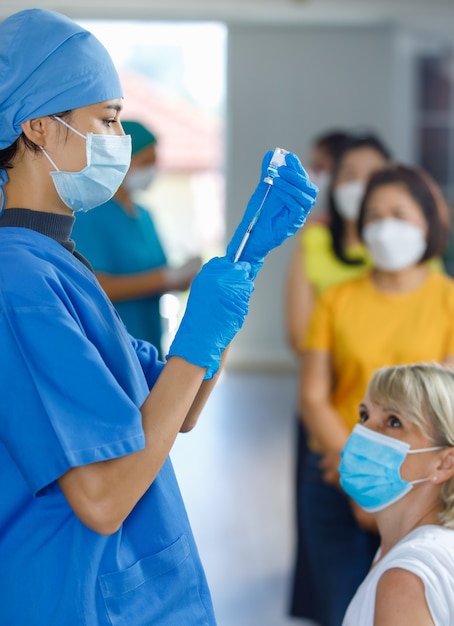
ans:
(38, 130)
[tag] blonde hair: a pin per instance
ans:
(424, 394)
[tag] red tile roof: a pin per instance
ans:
(189, 140)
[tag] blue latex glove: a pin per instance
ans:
(217, 305)
(289, 201)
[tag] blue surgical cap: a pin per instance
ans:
(49, 64)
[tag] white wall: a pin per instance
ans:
(286, 84)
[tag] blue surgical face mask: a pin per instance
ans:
(370, 468)
(108, 159)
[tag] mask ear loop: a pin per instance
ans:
(59, 119)
(426, 449)
(424, 480)
(49, 159)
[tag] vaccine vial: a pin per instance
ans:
(277, 160)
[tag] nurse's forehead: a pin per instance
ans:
(115, 105)
(109, 105)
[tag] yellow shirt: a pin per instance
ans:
(364, 329)
(321, 266)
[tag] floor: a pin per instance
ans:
(235, 472)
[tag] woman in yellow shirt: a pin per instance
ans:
(400, 312)
(328, 252)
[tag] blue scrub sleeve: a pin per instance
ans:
(148, 358)
(71, 409)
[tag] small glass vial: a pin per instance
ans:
(277, 160)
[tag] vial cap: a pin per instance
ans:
(277, 160)
(278, 157)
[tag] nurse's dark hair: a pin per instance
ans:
(336, 223)
(425, 192)
(7, 155)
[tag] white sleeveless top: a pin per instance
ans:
(427, 552)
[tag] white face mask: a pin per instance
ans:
(139, 178)
(108, 159)
(323, 180)
(394, 244)
(348, 197)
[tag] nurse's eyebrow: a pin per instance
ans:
(114, 107)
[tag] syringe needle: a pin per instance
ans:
(250, 227)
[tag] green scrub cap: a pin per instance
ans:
(141, 137)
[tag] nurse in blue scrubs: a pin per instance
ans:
(93, 530)
(122, 244)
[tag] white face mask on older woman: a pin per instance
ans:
(394, 244)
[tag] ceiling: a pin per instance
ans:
(428, 13)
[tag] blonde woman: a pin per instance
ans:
(402, 311)
(399, 465)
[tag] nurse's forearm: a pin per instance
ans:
(202, 396)
(103, 494)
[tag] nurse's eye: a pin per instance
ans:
(393, 421)
(363, 416)
(109, 122)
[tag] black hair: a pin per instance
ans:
(336, 223)
(333, 141)
(425, 192)
(7, 155)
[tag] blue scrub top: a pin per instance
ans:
(118, 243)
(71, 383)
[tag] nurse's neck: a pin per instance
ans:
(30, 186)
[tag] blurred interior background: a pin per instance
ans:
(243, 76)
(220, 82)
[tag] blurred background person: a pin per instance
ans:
(326, 254)
(324, 152)
(122, 244)
(402, 311)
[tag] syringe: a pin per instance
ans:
(277, 160)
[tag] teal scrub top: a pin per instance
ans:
(72, 381)
(116, 242)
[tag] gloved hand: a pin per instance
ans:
(284, 212)
(217, 305)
